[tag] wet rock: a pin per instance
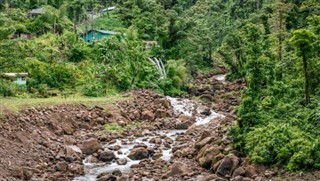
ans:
(148, 115)
(76, 169)
(177, 168)
(115, 147)
(183, 125)
(117, 172)
(90, 146)
(138, 153)
(186, 118)
(106, 177)
(227, 165)
(107, 156)
(122, 161)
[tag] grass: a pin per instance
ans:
(12, 104)
(114, 127)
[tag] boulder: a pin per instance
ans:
(227, 165)
(122, 161)
(107, 156)
(148, 115)
(208, 156)
(177, 169)
(165, 102)
(76, 169)
(161, 113)
(183, 125)
(203, 142)
(138, 153)
(90, 146)
(186, 118)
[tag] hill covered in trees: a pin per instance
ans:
(272, 45)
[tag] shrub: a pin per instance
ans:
(283, 144)
(7, 88)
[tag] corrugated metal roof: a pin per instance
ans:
(12, 74)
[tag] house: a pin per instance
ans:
(97, 35)
(36, 12)
(18, 78)
(150, 44)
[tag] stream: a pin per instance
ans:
(180, 106)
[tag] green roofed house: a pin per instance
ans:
(97, 35)
(18, 78)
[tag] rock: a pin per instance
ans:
(183, 125)
(237, 178)
(117, 173)
(186, 118)
(122, 161)
(108, 177)
(206, 98)
(177, 168)
(205, 134)
(212, 178)
(107, 156)
(207, 156)
(165, 102)
(203, 142)
(90, 146)
(148, 115)
(161, 113)
(62, 166)
(227, 165)
(138, 153)
(239, 172)
(76, 169)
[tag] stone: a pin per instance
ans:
(207, 156)
(203, 142)
(76, 169)
(62, 166)
(239, 172)
(165, 102)
(177, 168)
(148, 115)
(122, 161)
(107, 156)
(90, 146)
(117, 173)
(183, 125)
(228, 165)
(161, 113)
(138, 153)
(206, 97)
(184, 118)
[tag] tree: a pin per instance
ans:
(303, 40)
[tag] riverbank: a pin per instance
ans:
(148, 137)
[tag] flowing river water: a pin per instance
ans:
(180, 106)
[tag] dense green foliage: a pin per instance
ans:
(273, 45)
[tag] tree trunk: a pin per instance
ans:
(306, 76)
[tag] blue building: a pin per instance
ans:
(18, 78)
(97, 35)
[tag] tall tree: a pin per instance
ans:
(303, 40)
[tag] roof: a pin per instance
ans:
(151, 42)
(37, 11)
(109, 9)
(12, 74)
(104, 32)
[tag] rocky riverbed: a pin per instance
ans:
(148, 137)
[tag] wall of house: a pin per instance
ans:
(94, 36)
(21, 81)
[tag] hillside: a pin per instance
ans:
(266, 55)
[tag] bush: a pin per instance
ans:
(283, 144)
(7, 88)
